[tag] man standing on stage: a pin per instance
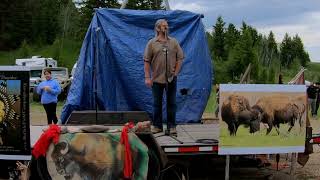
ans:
(162, 62)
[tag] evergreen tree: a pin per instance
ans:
(231, 37)
(286, 57)
(87, 11)
(263, 52)
(69, 20)
(244, 26)
(298, 50)
(272, 49)
(218, 35)
(272, 45)
(254, 35)
(242, 55)
(30, 20)
(291, 49)
(271, 75)
(209, 40)
(144, 4)
(14, 23)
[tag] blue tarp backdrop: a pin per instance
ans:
(111, 64)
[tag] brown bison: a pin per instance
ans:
(97, 156)
(236, 110)
(289, 114)
(300, 103)
(278, 110)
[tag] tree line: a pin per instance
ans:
(232, 50)
(46, 22)
(42, 22)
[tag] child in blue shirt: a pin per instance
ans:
(49, 91)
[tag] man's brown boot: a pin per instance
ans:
(156, 130)
(173, 132)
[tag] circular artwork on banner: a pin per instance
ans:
(8, 116)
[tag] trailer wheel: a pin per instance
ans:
(174, 172)
(38, 169)
(153, 166)
(42, 168)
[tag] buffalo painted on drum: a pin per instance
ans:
(94, 157)
(236, 110)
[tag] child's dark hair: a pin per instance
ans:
(47, 70)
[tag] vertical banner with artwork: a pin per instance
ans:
(14, 113)
(262, 118)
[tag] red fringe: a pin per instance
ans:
(42, 145)
(127, 170)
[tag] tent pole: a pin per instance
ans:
(95, 73)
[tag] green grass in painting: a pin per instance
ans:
(260, 139)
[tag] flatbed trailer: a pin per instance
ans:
(192, 138)
(193, 141)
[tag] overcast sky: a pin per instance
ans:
(300, 17)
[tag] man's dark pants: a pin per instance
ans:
(51, 112)
(157, 92)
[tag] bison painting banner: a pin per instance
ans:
(14, 113)
(262, 118)
(96, 156)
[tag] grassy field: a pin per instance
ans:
(210, 108)
(36, 107)
(8, 58)
(38, 115)
(211, 105)
(260, 139)
(312, 73)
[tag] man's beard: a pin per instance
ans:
(164, 32)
